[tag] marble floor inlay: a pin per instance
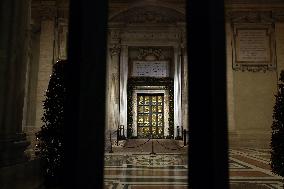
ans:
(146, 171)
(137, 169)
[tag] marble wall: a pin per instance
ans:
(14, 46)
(47, 44)
(252, 86)
(250, 89)
(164, 39)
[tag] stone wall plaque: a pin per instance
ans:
(150, 68)
(253, 47)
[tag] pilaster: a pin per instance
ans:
(177, 88)
(113, 86)
(46, 56)
(123, 85)
(184, 87)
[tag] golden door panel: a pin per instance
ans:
(150, 115)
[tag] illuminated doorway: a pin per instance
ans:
(150, 115)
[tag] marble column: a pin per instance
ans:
(45, 57)
(14, 22)
(31, 80)
(177, 89)
(184, 88)
(123, 86)
(230, 83)
(279, 37)
(113, 87)
(29, 115)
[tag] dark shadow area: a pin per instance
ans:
(85, 109)
(85, 115)
(208, 152)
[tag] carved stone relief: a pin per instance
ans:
(115, 49)
(48, 10)
(150, 54)
(114, 35)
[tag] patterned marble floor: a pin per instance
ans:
(249, 168)
(127, 169)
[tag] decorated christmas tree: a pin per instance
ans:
(277, 139)
(50, 138)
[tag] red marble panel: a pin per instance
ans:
(252, 162)
(247, 174)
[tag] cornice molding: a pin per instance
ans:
(261, 16)
(255, 68)
(48, 10)
(250, 16)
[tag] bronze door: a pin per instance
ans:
(150, 115)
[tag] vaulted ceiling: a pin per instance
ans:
(126, 8)
(181, 1)
(149, 14)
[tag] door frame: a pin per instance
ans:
(150, 85)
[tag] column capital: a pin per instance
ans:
(278, 16)
(115, 49)
(46, 10)
(115, 35)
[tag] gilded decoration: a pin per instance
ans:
(162, 83)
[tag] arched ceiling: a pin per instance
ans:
(148, 14)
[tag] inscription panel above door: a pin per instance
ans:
(150, 69)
